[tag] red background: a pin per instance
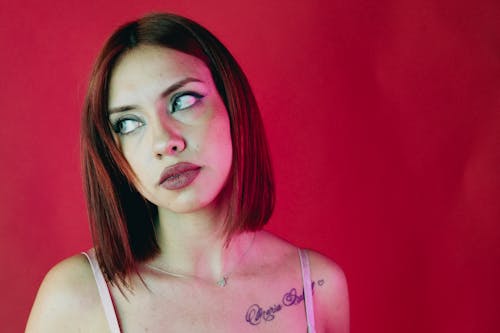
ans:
(384, 124)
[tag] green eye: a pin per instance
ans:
(127, 125)
(184, 101)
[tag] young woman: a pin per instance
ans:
(179, 185)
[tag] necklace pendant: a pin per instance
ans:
(222, 282)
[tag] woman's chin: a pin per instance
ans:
(185, 206)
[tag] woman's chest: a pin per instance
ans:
(272, 307)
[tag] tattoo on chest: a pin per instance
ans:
(257, 314)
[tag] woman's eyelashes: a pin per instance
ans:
(126, 125)
(184, 100)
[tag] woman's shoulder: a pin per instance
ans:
(331, 294)
(67, 280)
(331, 300)
(70, 270)
(320, 264)
(66, 299)
(323, 267)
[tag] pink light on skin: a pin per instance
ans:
(167, 114)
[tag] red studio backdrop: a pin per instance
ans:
(383, 119)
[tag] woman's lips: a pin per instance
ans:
(179, 175)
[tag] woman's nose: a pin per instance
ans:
(167, 142)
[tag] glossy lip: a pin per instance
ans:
(179, 175)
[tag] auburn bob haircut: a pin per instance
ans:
(122, 221)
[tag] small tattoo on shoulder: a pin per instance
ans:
(257, 314)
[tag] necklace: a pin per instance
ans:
(222, 282)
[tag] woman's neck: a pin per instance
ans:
(194, 245)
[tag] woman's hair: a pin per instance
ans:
(122, 221)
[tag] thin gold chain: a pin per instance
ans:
(222, 282)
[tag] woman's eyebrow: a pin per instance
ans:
(177, 85)
(121, 109)
(166, 92)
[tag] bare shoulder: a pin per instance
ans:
(273, 244)
(66, 299)
(331, 296)
(325, 268)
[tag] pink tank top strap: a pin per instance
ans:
(102, 287)
(307, 283)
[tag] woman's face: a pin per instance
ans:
(172, 127)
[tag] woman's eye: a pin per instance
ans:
(126, 126)
(184, 100)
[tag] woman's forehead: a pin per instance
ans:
(146, 68)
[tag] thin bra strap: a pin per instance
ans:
(102, 286)
(306, 280)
